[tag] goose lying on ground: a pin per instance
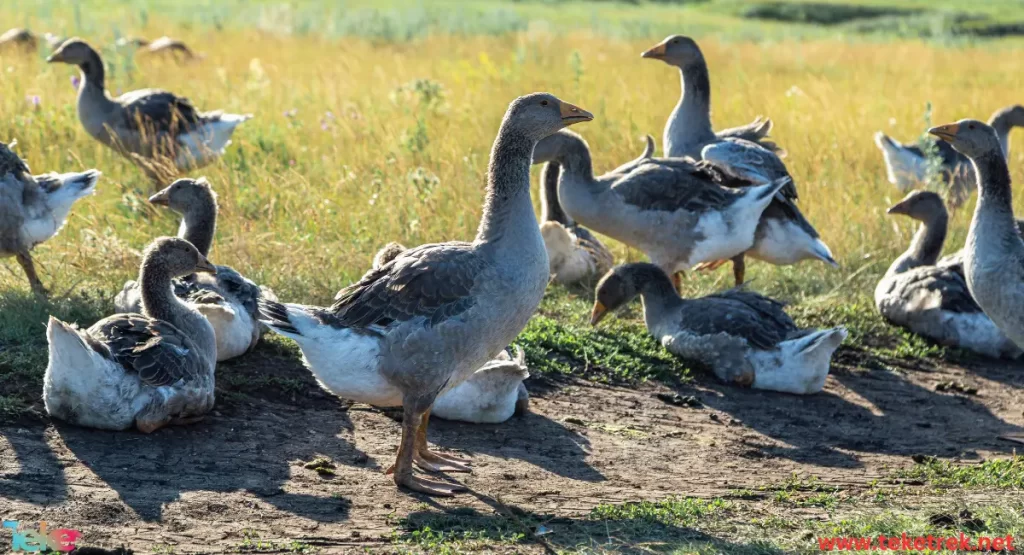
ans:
(994, 253)
(162, 133)
(671, 209)
(165, 46)
(228, 300)
(147, 370)
(20, 39)
(688, 129)
(426, 321)
(783, 236)
(493, 393)
(931, 299)
(33, 208)
(574, 253)
(743, 337)
(907, 166)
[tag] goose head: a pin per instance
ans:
(676, 50)
(538, 115)
(185, 194)
(923, 206)
(73, 51)
(177, 256)
(969, 137)
(617, 288)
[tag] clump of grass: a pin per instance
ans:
(674, 511)
(995, 473)
(322, 466)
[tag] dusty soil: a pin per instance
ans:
(206, 487)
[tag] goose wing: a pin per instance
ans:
(434, 282)
(155, 350)
(672, 184)
(158, 111)
(740, 163)
(756, 318)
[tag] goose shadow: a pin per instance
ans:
(39, 478)
(883, 412)
(531, 437)
(269, 412)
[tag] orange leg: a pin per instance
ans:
(402, 469)
(433, 462)
(739, 268)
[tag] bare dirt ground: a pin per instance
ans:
(206, 488)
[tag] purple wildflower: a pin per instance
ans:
(291, 113)
(75, 81)
(34, 100)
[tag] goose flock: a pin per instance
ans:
(429, 328)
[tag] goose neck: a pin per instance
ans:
(508, 186)
(199, 224)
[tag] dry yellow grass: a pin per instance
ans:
(339, 159)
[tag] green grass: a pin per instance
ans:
(1002, 473)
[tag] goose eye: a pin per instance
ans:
(543, 102)
(675, 41)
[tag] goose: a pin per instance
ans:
(993, 255)
(160, 132)
(574, 253)
(33, 208)
(19, 39)
(148, 370)
(688, 128)
(906, 166)
(671, 209)
(161, 46)
(931, 298)
(424, 322)
(783, 235)
(228, 300)
(492, 394)
(743, 337)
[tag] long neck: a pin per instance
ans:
(93, 85)
(508, 185)
(995, 198)
(660, 299)
(574, 160)
(926, 246)
(550, 208)
(158, 300)
(690, 122)
(199, 224)
(1001, 122)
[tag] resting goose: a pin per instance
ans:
(907, 166)
(671, 209)
(33, 208)
(931, 298)
(574, 253)
(160, 132)
(783, 236)
(688, 129)
(743, 337)
(493, 393)
(20, 39)
(164, 46)
(228, 300)
(426, 321)
(148, 370)
(994, 253)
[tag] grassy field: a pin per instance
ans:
(373, 123)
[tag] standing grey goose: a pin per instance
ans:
(673, 209)
(907, 166)
(994, 253)
(688, 129)
(574, 253)
(147, 370)
(160, 132)
(426, 321)
(493, 394)
(33, 208)
(743, 337)
(228, 299)
(930, 297)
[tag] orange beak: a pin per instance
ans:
(657, 52)
(945, 132)
(574, 114)
(598, 313)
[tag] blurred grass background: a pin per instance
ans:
(374, 120)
